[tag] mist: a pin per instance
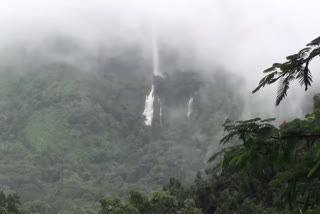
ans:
(243, 38)
(75, 76)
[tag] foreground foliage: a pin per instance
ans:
(295, 68)
(263, 168)
(69, 137)
(288, 157)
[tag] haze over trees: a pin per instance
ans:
(70, 135)
(74, 76)
(263, 168)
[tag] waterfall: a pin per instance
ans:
(190, 107)
(160, 112)
(148, 108)
(155, 55)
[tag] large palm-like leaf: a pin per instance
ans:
(296, 67)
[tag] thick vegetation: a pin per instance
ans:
(10, 204)
(263, 168)
(70, 135)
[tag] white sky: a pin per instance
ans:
(245, 36)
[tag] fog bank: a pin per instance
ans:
(243, 37)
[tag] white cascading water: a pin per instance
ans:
(160, 112)
(155, 55)
(148, 108)
(190, 107)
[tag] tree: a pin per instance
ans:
(160, 202)
(295, 68)
(189, 208)
(10, 204)
(176, 189)
(111, 205)
(140, 201)
(291, 152)
(163, 202)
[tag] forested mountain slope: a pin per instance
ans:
(72, 130)
(264, 167)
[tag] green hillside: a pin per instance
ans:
(69, 136)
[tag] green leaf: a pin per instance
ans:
(314, 169)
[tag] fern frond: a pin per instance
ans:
(296, 67)
(316, 41)
(304, 76)
(283, 88)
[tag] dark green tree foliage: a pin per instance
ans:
(263, 168)
(163, 202)
(177, 189)
(280, 165)
(291, 152)
(295, 68)
(232, 191)
(160, 202)
(10, 204)
(189, 208)
(139, 200)
(39, 207)
(64, 133)
(111, 205)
